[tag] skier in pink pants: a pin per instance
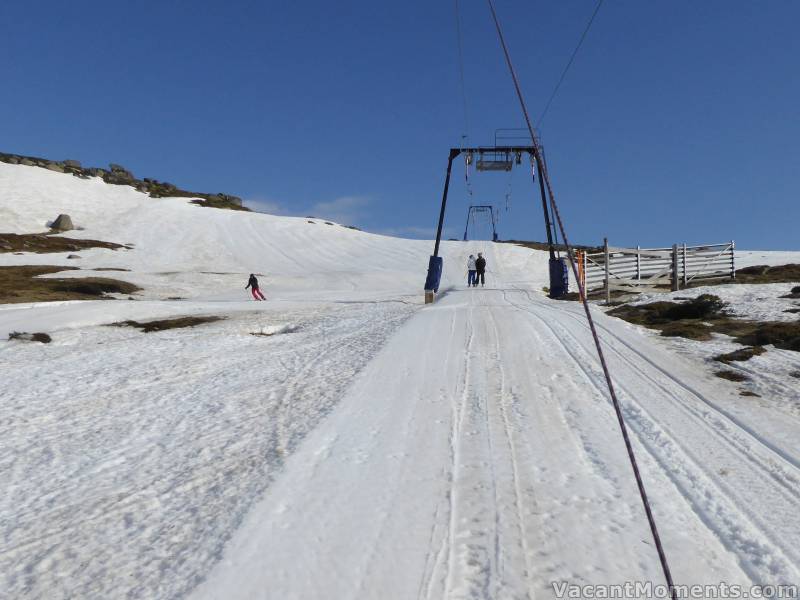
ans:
(253, 283)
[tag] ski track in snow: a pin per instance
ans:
(499, 469)
(127, 466)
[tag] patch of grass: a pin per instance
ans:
(697, 319)
(784, 335)
(94, 286)
(685, 319)
(41, 243)
(656, 315)
(732, 376)
(767, 274)
(740, 355)
(164, 324)
(219, 203)
(705, 306)
(23, 284)
(42, 338)
(693, 330)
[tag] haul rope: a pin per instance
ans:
(615, 401)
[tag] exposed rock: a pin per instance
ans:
(42, 338)
(73, 256)
(119, 169)
(62, 223)
(119, 175)
(118, 178)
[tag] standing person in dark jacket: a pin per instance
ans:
(253, 283)
(480, 268)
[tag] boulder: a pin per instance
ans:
(73, 256)
(75, 164)
(118, 178)
(27, 162)
(54, 167)
(62, 223)
(12, 160)
(119, 169)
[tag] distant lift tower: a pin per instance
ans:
(498, 158)
(481, 209)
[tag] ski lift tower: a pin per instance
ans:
(481, 209)
(497, 158)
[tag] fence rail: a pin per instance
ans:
(638, 269)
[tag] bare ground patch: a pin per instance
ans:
(767, 274)
(698, 318)
(212, 202)
(41, 243)
(42, 338)
(740, 355)
(732, 376)
(23, 284)
(164, 324)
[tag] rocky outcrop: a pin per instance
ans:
(62, 223)
(118, 175)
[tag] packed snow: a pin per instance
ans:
(344, 440)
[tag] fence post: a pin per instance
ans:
(608, 278)
(733, 260)
(685, 281)
(638, 263)
(675, 280)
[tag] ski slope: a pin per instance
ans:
(370, 446)
(477, 457)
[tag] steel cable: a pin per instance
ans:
(615, 401)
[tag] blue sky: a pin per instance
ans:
(679, 120)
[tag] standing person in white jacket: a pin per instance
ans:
(471, 270)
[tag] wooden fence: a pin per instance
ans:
(636, 270)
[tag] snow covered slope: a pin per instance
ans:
(360, 444)
(187, 250)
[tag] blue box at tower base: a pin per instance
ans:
(435, 265)
(559, 277)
